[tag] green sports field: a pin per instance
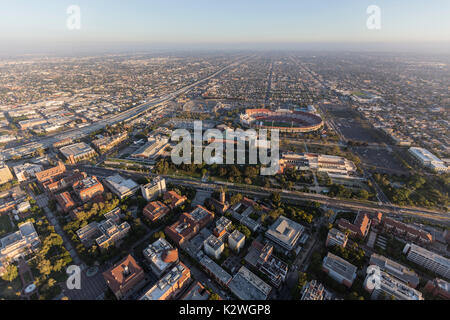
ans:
(277, 124)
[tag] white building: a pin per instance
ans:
(395, 269)
(339, 269)
(78, 151)
(120, 186)
(332, 165)
(18, 244)
(170, 285)
(427, 159)
(161, 256)
(152, 149)
(236, 240)
(285, 233)
(427, 259)
(26, 171)
(213, 246)
(154, 189)
(336, 238)
(380, 283)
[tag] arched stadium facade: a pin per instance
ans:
(283, 120)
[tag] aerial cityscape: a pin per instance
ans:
(335, 184)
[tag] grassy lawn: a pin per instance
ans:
(5, 225)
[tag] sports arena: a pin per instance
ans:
(281, 119)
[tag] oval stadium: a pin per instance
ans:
(283, 120)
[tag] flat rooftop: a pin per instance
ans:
(248, 286)
(340, 266)
(77, 149)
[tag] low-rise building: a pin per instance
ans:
(106, 232)
(313, 290)
(380, 284)
(111, 232)
(152, 149)
(427, 259)
(51, 173)
(260, 257)
(339, 269)
(247, 286)
(27, 171)
(18, 244)
(189, 224)
(395, 269)
(196, 292)
(88, 188)
(120, 186)
(77, 152)
(244, 210)
(215, 271)
(359, 228)
(57, 184)
(170, 285)
(407, 230)
(125, 277)
(221, 205)
(10, 199)
(106, 143)
(427, 159)
(155, 210)
(336, 238)
(438, 288)
(161, 256)
(285, 233)
(65, 201)
(334, 166)
(174, 199)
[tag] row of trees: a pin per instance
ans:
(416, 190)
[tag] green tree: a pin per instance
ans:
(363, 194)
(244, 230)
(276, 198)
(11, 273)
(214, 296)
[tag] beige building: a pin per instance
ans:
(18, 244)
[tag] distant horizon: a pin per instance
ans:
(149, 48)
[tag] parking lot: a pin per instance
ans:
(351, 126)
(383, 160)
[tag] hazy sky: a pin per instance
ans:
(41, 24)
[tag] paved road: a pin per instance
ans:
(42, 202)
